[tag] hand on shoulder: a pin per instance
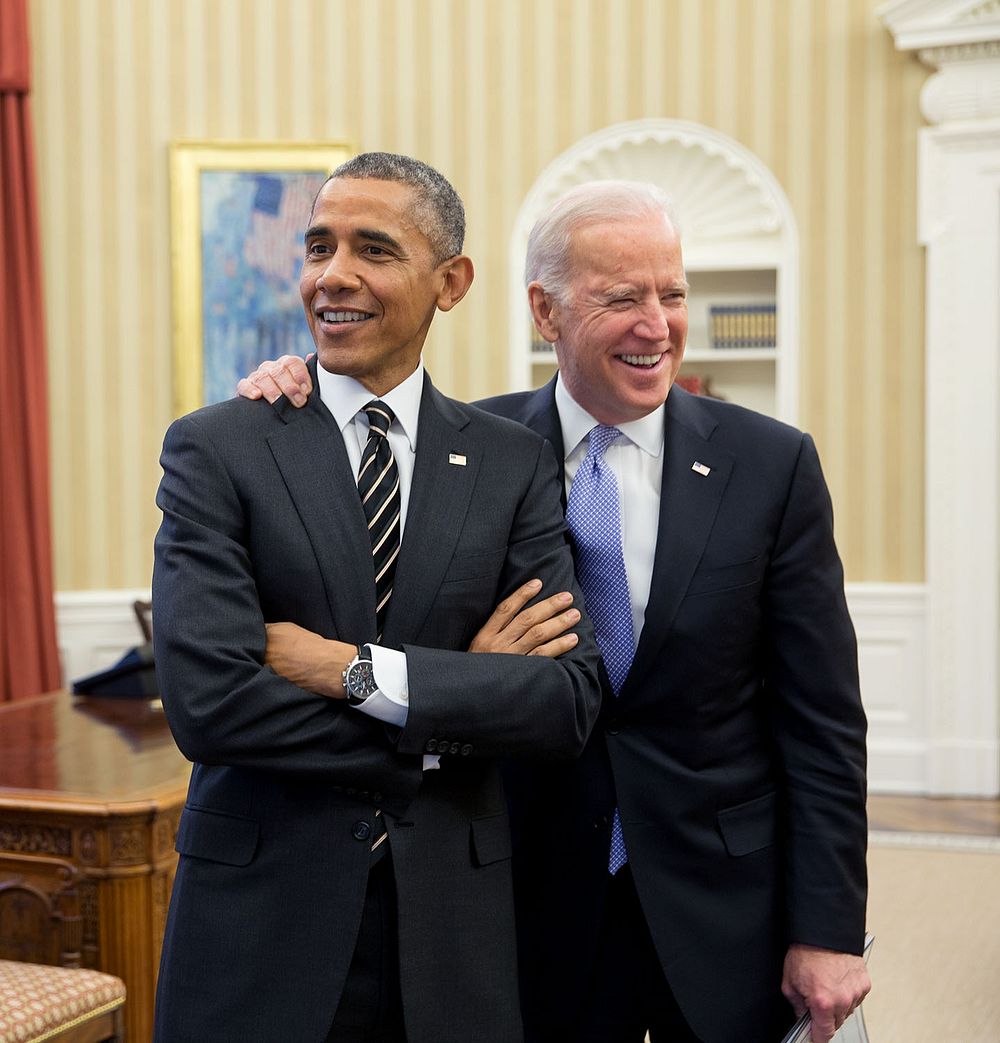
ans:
(286, 376)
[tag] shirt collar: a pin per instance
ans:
(576, 423)
(345, 398)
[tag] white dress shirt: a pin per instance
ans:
(346, 400)
(637, 462)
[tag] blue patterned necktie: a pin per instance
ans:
(593, 514)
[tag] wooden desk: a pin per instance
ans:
(90, 795)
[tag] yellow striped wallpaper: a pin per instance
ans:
(489, 91)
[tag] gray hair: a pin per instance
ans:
(437, 209)
(547, 260)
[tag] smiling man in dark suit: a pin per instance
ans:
(700, 871)
(319, 576)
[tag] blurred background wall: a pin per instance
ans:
(490, 93)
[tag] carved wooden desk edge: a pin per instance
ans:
(121, 842)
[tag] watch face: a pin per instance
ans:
(360, 680)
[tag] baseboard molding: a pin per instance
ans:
(966, 842)
(96, 627)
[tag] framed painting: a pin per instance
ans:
(238, 214)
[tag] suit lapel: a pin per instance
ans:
(541, 415)
(444, 476)
(309, 451)
(689, 502)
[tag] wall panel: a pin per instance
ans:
(490, 93)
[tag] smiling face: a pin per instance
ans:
(619, 334)
(369, 284)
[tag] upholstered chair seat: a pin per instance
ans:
(63, 1004)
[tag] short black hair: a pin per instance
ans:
(438, 210)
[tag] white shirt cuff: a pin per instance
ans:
(391, 703)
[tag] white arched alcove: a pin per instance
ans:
(739, 238)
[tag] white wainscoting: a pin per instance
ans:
(890, 620)
(96, 627)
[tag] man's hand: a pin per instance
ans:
(285, 376)
(308, 660)
(539, 630)
(831, 984)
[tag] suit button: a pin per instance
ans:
(431, 746)
(466, 749)
(361, 830)
(377, 797)
(455, 748)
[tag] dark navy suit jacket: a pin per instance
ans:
(735, 750)
(262, 523)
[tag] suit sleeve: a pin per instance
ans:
(223, 704)
(811, 683)
(512, 705)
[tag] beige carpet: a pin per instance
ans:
(934, 908)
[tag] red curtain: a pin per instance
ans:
(29, 660)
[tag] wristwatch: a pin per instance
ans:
(359, 677)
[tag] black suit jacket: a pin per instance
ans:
(735, 750)
(262, 523)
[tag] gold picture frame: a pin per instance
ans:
(235, 224)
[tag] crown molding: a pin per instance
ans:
(960, 40)
(928, 25)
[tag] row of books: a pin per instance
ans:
(742, 325)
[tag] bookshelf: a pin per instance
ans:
(747, 375)
(740, 250)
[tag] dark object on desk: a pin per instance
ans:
(132, 677)
(144, 617)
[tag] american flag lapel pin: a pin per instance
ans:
(456, 458)
(701, 468)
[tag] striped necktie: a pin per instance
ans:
(378, 486)
(593, 514)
